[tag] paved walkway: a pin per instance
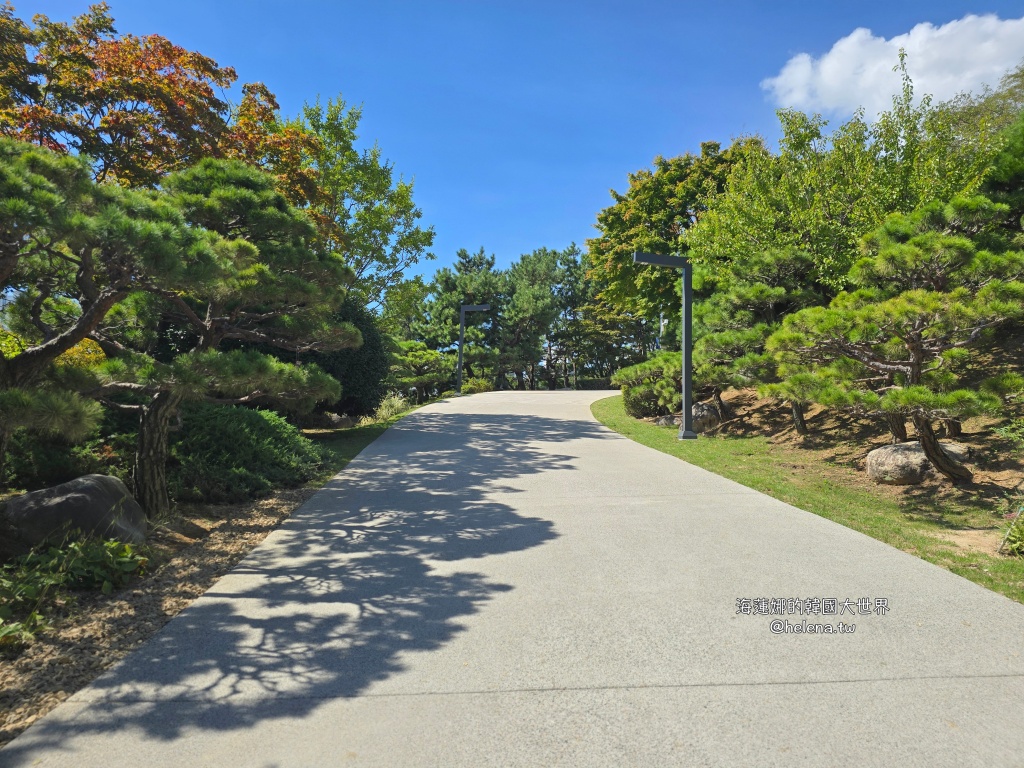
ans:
(500, 581)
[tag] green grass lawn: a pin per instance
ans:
(912, 523)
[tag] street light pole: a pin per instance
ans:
(462, 332)
(680, 262)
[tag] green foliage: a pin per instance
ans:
(362, 372)
(651, 388)
(392, 405)
(55, 412)
(228, 454)
(652, 215)
(416, 367)
(822, 192)
(475, 385)
(360, 209)
(1013, 433)
(33, 580)
(39, 461)
(1013, 539)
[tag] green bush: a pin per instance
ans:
(226, 454)
(34, 580)
(474, 385)
(589, 384)
(390, 406)
(1013, 541)
(651, 388)
(1013, 433)
(39, 460)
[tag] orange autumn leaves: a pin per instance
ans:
(139, 107)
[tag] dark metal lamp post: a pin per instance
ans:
(680, 262)
(462, 332)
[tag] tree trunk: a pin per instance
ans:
(953, 427)
(798, 417)
(150, 473)
(724, 411)
(956, 472)
(897, 424)
(520, 381)
(5, 438)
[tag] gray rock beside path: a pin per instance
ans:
(906, 463)
(93, 504)
(705, 417)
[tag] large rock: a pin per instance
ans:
(906, 464)
(97, 505)
(344, 421)
(705, 416)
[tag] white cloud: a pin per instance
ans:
(962, 55)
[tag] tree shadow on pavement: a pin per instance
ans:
(375, 566)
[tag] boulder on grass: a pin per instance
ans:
(342, 421)
(705, 417)
(96, 505)
(906, 464)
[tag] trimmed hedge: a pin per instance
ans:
(226, 454)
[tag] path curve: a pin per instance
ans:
(501, 581)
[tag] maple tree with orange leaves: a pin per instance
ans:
(138, 107)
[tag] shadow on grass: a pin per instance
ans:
(375, 566)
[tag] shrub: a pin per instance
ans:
(588, 384)
(475, 385)
(1013, 541)
(1013, 433)
(34, 580)
(651, 388)
(39, 460)
(226, 454)
(390, 406)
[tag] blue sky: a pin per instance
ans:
(516, 118)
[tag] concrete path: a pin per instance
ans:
(500, 581)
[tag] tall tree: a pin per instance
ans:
(652, 215)
(138, 107)
(271, 289)
(359, 207)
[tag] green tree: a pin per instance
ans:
(898, 345)
(653, 214)
(417, 367)
(271, 289)
(822, 192)
(360, 209)
(528, 310)
(361, 371)
(474, 280)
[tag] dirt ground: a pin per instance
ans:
(95, 631)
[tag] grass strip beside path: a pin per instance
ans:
(340, 446)
(776, 470)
